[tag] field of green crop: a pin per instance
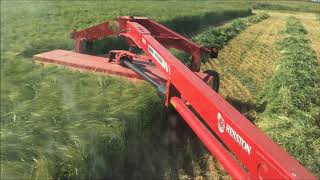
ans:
(293, 6)
(57, 124)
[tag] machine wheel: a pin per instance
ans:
(134, 49)
(216, 79)
(86, 47)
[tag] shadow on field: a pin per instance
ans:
(186, 25)
(165, 149)
(245, 108)
(190, 25)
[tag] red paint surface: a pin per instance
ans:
(96, 64)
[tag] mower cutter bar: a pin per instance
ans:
(83, 62)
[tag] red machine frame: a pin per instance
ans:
(242, 149)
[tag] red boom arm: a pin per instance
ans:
(261, 157)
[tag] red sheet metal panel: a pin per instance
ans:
(83, 62)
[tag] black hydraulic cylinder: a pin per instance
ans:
(160, 87)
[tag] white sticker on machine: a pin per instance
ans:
(144, 41)
(158, 58)
(224, 126)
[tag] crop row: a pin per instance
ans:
(291, 98)
(297, 73)
(285, 6)
(219, 36)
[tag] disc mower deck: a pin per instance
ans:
(84, 62)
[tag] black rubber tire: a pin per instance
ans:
(216, 79)
(134, 49)
(86, 47)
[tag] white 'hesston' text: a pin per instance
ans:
(236, 137)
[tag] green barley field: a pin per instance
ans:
(58, 124)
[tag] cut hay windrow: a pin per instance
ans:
(297, 75)
(217, 37)
(291, 99)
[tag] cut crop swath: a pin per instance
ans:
(291, 98)
(217, 37)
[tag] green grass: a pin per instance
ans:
(57, 124)
(297, 75)
(69, 124)
(294, 6)
(291, 99)
(218, 37)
